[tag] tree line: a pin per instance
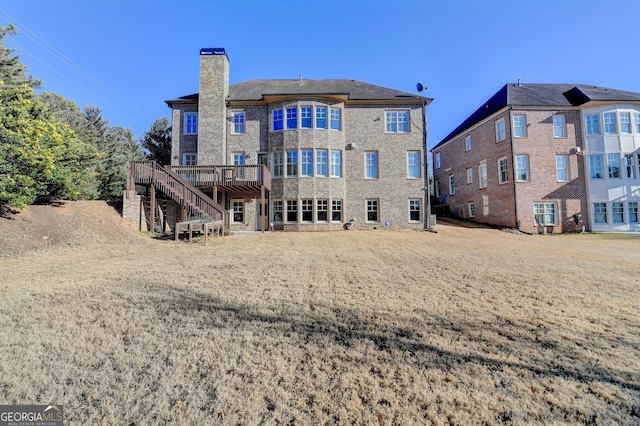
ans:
(52, 149)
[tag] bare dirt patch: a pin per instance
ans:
(467, 326)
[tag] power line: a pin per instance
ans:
(64, 59)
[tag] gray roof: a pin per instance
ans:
(256, 90)
(552, 95)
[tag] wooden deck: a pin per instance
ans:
(228, 178)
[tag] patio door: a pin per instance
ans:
(262, 214)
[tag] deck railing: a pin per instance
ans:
(248, 175)
(198, 204)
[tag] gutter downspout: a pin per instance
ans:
(427, 180)
(513, 171)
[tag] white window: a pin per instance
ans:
(306, 117)
(617, 212)
(322, 210)
(437, 188)
(562, 168)
(239, 160)
(335, 119)
(277, 211)
(372, 211)
(336, 163)
(593, 125)
(545, 213)
(503, 170)
(625, 122)
(336, 210)
(437, 160)
(595, 167)
(190, 123)
(292, 118)
(482, 175)
(306, 162)
(238, 123)
(414, 210)
(307, 210)
(613, 166)
(277, 163)
(452, 185)
(520, 126)
(413, 164)
(238, 211)
(469, 175)
(321, 162)
(609, 122)
(633, 212)
(397, 121)
(321, 117)
(277, 119)
(600, 212)
(629, 166)
(371, 164)
(501, 132)
(189, 159)
(472, 209)
(292, 163)
(636, 121)
(559, 126)
(292, 210)
(522, 168)
(467, 143)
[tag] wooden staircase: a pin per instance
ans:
(197, 204)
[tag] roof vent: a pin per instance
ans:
(213, 51)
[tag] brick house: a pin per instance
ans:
(536, 154)
(335, 151)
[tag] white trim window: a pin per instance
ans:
(277, 211)
(190, 123)
(278, 163)
(336, 163)
(436, 188)
(335, 119)
(277, 119)
(630, 171)
(321, 163)
(189, 159)
(595, 167)
(238, 211)
(625, 122)
(609, 123)
(239, 123)
(373, 214)
(469, 175)
(321, 117)
(239, 160)
(452, 185)
(292, 118)
(437, 160)
(559, 126)
(617, 212)
(292, 163)
(292, 211)
(336, 210)
(322, 210)
(467, 143)
(413, 164)
(503, 170)
(636, 121)
(483, 176)
(371, 164)
(306, 162)
(522, 168)
(600, 212)
(545, 213)
(307, 210)
(613, 166)
(520, 126)
(633, 211)
(306, 117)
(593, 124)
(501, 131)
(415, 210)
(397, 121)
(562, 168)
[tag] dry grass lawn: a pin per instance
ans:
(466, 326)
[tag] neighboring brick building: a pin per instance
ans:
(520, 159)
(337, 150)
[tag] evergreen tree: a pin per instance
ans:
(157, 140)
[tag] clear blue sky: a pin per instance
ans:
(128, 56)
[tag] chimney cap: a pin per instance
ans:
(213, 51)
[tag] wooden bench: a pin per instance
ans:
(206, 227)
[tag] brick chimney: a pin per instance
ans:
(212, 108)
